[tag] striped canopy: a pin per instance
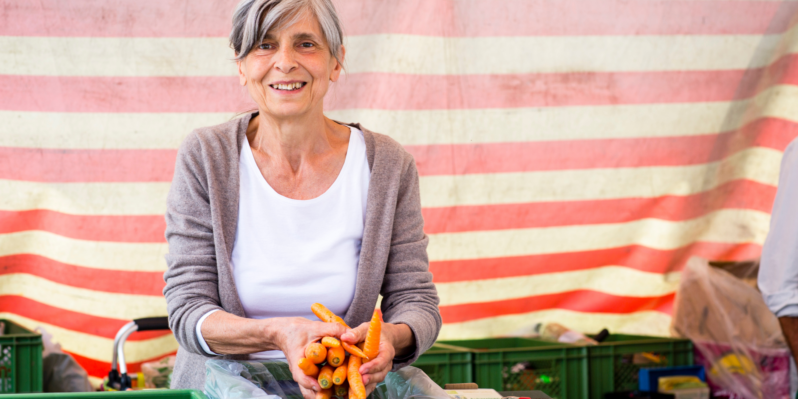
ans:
(573, 154)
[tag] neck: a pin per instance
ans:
(291, 141)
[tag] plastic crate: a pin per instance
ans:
(520, 364)
(146, 394)
(615, 364)
(447, 364)
(20, 359)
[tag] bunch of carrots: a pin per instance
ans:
(326, 360)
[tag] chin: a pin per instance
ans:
(287, 111)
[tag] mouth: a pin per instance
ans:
(288, 87)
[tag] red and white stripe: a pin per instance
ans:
(573, 155)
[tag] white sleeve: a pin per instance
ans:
(778, 270)
(202, 342)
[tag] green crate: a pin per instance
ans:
(521, 364)
(20, 359)
(446, 364)
(613, 366)
(146, 394)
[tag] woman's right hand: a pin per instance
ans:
(292, 336)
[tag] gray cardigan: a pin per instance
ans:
(201, 216)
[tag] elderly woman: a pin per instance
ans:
(281, 208)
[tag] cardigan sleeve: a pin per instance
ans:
(409, 295)
(191, 278)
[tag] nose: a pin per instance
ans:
(285, 61)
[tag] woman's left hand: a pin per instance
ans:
(375, 370)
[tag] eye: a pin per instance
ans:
(306, 44)
(266, 46)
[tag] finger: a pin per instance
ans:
(370, 388)
(356, 335)
(375, 378)
(306, 393)
(303, 380)
(330, 330)
(383, 359)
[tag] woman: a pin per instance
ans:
(284, 207)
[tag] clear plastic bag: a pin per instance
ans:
(230, 379)
(736, 337)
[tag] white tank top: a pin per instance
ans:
(290, 253)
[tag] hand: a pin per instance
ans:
(375, 370)
(295, 333)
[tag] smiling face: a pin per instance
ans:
(289, 73)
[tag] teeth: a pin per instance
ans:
(290, 86)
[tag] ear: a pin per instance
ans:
(242, 77)
(336, 72)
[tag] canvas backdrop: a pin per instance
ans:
(573, 154)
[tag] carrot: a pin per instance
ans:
(326, 315)
(341, 391)
(316, 352)
(331, 342)
(354, 350)
(336, 356)
(324, 394)
(339, 375)
(326, 377)
(372, 346)
(308, 367)
(356, 388)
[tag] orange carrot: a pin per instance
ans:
(331, 342)
(356, 388)
(372, 346)
(341, 391)
(339, 375)
(326, 315)
(354, 350)
(308, 367)
(316, 352)
(336, 356)
(326, 377)
(324, 394)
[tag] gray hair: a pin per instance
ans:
(253, 19)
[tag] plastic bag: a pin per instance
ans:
(736, 337)
(230, 379)
(157, 374)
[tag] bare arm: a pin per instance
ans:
(789, 326)
(229, 334)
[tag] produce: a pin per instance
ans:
(316, 352)
(342, 391)
(336, 356)
(339, 375)
(326, 377)
(371, 347)
(356, 388)
(308, 367)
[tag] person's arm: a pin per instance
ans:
(778, 269)
(789, 327)
(410, 300)
(409, 295)
(191, 289)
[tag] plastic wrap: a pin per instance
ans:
(229, 379)
(736, 337)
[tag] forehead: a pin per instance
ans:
(302, 23)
